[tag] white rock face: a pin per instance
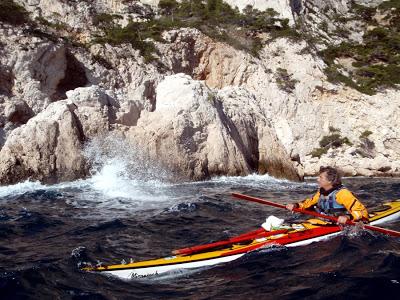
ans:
(78, 15)
(73, 13)
(95, 110)
(303, 117)
(353, 114)
(47, 148)
(280, 6)
(196, 131)
(36, 71)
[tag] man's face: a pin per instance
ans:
(324, 182)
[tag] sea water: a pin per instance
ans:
(127, 211)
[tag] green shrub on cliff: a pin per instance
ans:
(392, 4)
(13, 13)
(366, 147)
(285, 81)
(222, 22)
(333, 140)
(365, 134)
(318, 152)
(376, 61)
(364, 13)
(105, 20)
(133, 34)
(214, 18)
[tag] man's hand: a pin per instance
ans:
(290, 206)
(342, 220)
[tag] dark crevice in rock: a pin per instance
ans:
(75, 76)
(384, 169)
(150, 94)
(204, 168)
(6, 81)
(53, 172)
(112, 106)
(2, 138)
(250, 155)
(17, 173)
(77, 123)
(296, 6)
(111, 114)
(191, 55)
(277, 169)
(19, 113)
(103, 62)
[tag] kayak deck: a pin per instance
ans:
(293, 235)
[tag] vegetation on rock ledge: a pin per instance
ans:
(376, 61)
(214, 18)
(333, 140)
(285, 81)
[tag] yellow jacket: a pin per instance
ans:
(343, 197)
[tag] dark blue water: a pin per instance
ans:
(46, 232)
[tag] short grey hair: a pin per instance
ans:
(332, 174)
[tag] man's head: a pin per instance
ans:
(329, 178)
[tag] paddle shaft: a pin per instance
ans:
(238, 239)
(313, 213)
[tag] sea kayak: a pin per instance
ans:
(289, 235)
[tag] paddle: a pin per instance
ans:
(241, 238)
(315, 214)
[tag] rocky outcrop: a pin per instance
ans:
(354, 114)
(203, 133)
(302, 106)
(78, 16)
(38, 71)
(49, 146)
(17, 112)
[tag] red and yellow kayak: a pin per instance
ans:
(224, 251)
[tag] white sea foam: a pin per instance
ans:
(20, 188)
(259, 181)
(252, 178)
(124, 180)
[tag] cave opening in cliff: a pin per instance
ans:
(75, 76)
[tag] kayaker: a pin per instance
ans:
(333, 198)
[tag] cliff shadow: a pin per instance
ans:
(75, 76)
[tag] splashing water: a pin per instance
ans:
(20, 188)
(260, 181)
(124, 180)
(123, 177)
(113, 155)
